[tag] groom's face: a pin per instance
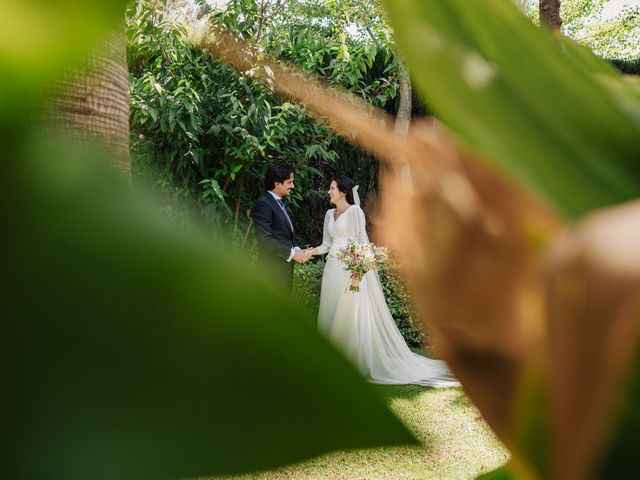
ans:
(283, 189)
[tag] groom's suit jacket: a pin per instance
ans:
(275, 240)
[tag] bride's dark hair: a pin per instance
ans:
(345, 185)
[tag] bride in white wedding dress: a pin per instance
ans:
(359, 323)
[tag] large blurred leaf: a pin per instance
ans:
(135, 352)
(593, 315)
(510, 93)
(470, 240)
(37, 37)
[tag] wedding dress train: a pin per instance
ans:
(360, 323)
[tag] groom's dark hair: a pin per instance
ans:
(345, 185)
(277, 173)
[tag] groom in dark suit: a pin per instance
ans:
(277, 249)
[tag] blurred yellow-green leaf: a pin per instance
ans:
(37, 37)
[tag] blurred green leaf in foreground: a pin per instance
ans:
(133, 349)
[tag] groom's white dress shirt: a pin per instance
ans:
(278, 200)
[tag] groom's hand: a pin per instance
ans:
(301, 256)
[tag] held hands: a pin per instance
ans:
(302, 256)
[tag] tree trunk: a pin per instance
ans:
(90, 103)
(404, 109)
(403, 118)
(550, 14)
(401, 171)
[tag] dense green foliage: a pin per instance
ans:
(203, 134)
(400, 305)
(207, 133)
(307, 280)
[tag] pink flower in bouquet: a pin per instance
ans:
(360, 258)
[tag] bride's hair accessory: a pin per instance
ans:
(356, 198)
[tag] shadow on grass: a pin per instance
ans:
(461, 400)
(411, 392)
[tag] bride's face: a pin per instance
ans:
(335, 195)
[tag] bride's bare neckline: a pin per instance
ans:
(335, 210)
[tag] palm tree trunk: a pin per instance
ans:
(90, 104)
(550, 14)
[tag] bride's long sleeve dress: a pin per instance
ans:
(360, 323)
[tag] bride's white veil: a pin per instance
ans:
(359, 222)
(356, 197)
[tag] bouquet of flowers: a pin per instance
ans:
(359, 258)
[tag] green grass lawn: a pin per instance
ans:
(456, 443)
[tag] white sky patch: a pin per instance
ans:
(352, 30)
(614, 7)
(187, 11)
